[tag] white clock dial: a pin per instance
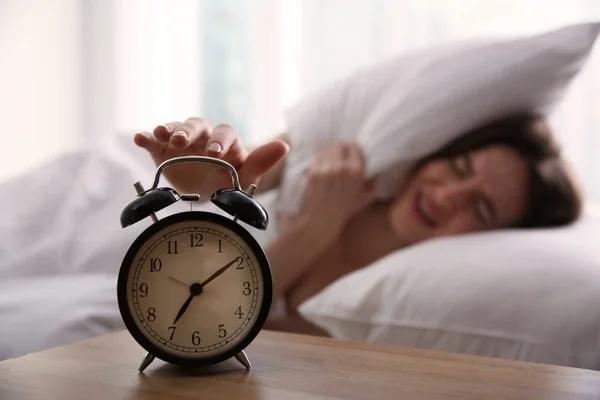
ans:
(172, 308)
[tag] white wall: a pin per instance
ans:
(157, 51)
(76, 70)
(40, 112)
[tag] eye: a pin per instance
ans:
(484, 211)
(461, 166)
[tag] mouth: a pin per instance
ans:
(423, 212)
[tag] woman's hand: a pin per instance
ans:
(198, 138)
(336, 189)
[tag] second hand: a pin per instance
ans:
(173, 279)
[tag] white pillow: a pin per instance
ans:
(526, 295)
(405, 108)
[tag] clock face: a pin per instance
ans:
(195, 288)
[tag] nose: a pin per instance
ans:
(453, 196)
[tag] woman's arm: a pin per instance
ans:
(335, 191)
(292, 254)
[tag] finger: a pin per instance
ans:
(321, 180)
(331, 156)
(343, 176)
(344, 162)
(262, 159)
(356, 158)
(325, 160)
(352, 177)
(149, 142)
(319, 187)
(191, 130)
(163, 132)
(355, 152)
(221, 140)
(345, 150)
(363, 193)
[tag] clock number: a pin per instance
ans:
(241, 264)
(196, 240)
(239, 312)
(144, 289)
(151, 314)
(222, 331)
(196, 338)
(220, 246)
(172, 329)
(247, 289)
(155, 264)
(172, 247)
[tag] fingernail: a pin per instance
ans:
(215, 147)
(166, 128)
(180, 133)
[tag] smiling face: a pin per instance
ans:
(481, 190)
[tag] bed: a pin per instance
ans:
(61, 246)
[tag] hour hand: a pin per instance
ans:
(184, 307)
(195, 290)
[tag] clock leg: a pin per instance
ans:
(147, 361)
(243, 359)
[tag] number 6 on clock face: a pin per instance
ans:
(195, 288)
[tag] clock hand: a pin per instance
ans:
(184, 307)
(195, 290)
(173, 279)
(221, 270)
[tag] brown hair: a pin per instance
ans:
(554, 197)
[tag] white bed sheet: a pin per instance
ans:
(40, 312)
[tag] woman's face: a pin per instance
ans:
(482, 190)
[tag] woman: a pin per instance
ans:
(508, 173)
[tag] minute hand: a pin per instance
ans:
(221, 270)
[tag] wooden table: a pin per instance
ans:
(286, 366)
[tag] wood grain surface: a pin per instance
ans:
(286, 366)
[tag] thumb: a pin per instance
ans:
(260, 160)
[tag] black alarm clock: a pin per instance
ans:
(195, 287)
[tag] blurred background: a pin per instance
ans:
(75, 71)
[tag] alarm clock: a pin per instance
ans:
(195, 287)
